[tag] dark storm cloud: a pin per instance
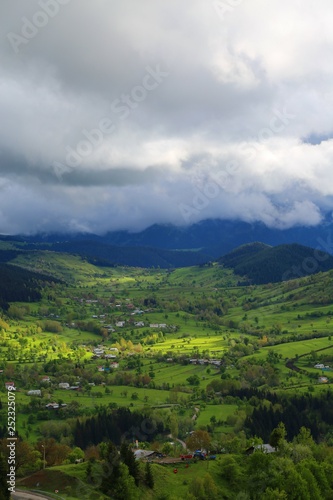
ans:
(122, 114)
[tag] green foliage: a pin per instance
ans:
(199, 440)
(149, 477)
(263, 264)
(4, 492)
(128, 458)
(193, 380)
(232, 472)
(278, 435)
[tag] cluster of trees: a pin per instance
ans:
(20, 285)
(313, 412)
(118, 475)
(297, 470)
(117, 425)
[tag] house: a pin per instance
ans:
(114, 365)
(10, 384)
(120, 324)
(98, 351)
(63, 385)
(140, 454)
(52, 406)
(110, 356)
(153, 325)
(139, 323)
(215, 362)
(265, 448)
(323, 380)
(104, 368)
(320, 366)
(45, 380)
(137, 311)
(36, 392)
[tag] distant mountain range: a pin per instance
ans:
(212, 237)
(168, 246)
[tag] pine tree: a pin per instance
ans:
(149, 478)
(128, 458)
(113, 462)
(4, 492)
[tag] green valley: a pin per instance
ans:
(166, 361)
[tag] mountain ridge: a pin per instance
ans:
(213, 237)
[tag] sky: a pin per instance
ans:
(122, 114)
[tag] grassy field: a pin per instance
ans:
(221, 412)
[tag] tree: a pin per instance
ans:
(149, 478)
(278, 435)
(4, 492)
(76, 454)
(304, 437)
(112, 459)
(295, 485)
(167, 448)
(193, 380)
(276, 494)
(123, 487)
(231, 471)
(306, 474)
(199, 440)
(128, 458)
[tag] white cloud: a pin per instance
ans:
(245, 90)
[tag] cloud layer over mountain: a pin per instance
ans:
(124, 114)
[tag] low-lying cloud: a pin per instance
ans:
(118, 115)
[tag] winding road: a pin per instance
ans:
(27, 495)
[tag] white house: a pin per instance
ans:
(98, 351)
(64, 385)
(36, 392)
(52, 406)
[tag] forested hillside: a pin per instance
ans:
(20, 285)
(262, 264)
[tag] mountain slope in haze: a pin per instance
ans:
(263, 264)
(213, 237)
(102, 254)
